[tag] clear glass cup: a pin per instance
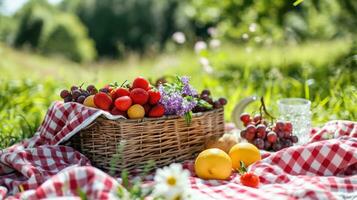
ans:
(297, 110)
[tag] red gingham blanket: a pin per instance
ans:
(40, 167)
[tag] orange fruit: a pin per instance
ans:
(136, 111)
(245, 152)
(213, 164)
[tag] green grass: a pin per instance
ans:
(324, 72)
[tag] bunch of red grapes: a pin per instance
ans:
(270, 138)
(77, 94)
(206, 96)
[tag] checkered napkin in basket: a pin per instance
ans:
(45, 169)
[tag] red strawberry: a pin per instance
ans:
(248, 178)
(147, 108)
(141, 82)
(115, 111)
(154, 97)
(103, 101)
(122, 92)
(139, 96)
(157, 111)
(123, 103)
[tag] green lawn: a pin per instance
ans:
(324, 72)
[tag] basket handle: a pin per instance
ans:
(239, 109)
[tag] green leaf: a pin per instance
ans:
(120, 191)
(117, 157)
(242, 170)
(188, 118)
(203, 103)
(125, 178)
(81, 194)
(297, 2)
(150, 165)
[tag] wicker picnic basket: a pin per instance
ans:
(164, 140)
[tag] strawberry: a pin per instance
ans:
(141, 82)
(139, 96)
(102, 101)
(122, 92)
(157, 111)
(123, 103)
(248, 178)
(154, 97)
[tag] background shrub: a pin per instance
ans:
(44, 28)
(68, 38)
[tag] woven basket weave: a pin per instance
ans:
(163, 140)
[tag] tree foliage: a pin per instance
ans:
(114, 27)
(44, 28)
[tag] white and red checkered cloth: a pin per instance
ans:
(40, 167)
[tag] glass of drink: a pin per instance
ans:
(297, 111)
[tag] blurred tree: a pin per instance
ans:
(31, 23)
(45, 28)
(279, 19)
(68, 39)
(120, 25)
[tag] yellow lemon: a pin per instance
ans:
(213, 164)
(245, 152)
(136, 111)
(89, 101)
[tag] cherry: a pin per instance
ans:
(257, 118)
(280, 125)
(294, 138)
(288, 126)
(251, 128)
(258, 142)
(64, 93)
(245, 118)
(272, 137)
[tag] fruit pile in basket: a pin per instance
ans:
(267, 136)
(141, 99)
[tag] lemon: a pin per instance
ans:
(89, 101)
(245, 152)
(213, 164)
(136, 111)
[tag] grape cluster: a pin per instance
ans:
(270, 138)
(205, 102)
(77, 94)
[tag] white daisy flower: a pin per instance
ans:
(257, 39)
(208, 69)
(179, 37)
(171, 182)
(253, 27)
(245, 36)
(215, 43)
(212, 31)
(206, 65)
(204, 61)
(248, 49)
(199, 46)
